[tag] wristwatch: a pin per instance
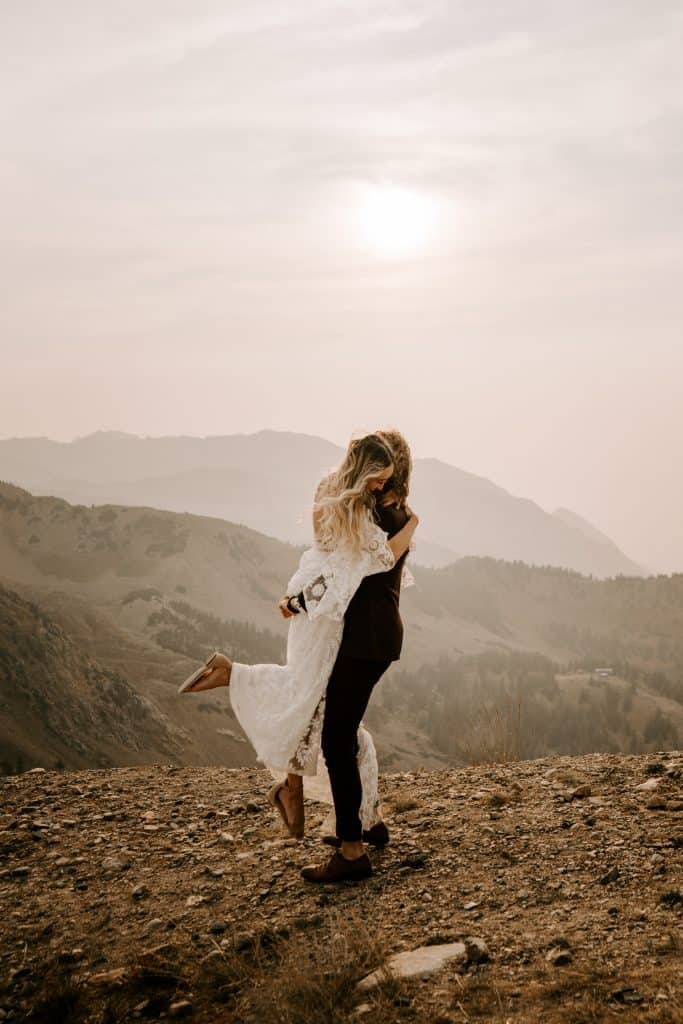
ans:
(294, 605)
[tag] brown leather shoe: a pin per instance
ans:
(378, 835)
(289, 806)
(338, 869)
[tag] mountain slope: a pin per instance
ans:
(58, 705)
(109, 552)
(267, 480)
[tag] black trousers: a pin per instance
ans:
(348, 692)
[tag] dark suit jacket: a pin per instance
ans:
(372, 624)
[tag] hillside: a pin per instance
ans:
(109, 553)
(61, 706)
(139, 893)
(266, 481)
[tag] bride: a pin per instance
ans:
(281, 707)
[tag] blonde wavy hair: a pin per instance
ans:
(342, 498)
(399, 481)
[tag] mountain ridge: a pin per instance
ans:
(266, 480)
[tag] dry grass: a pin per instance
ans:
(310, 976)
(313, 977)
(570, 995)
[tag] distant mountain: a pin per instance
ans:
(266, 481)
(577, 522)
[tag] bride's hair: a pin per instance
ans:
(342, 498)
(399, 481)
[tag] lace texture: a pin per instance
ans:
(305, 759)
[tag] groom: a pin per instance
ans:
(372, 639)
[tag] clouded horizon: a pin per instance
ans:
(199, 234)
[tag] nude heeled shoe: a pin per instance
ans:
(217, 660)
(295, 826)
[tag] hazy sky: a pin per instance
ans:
(462, 219)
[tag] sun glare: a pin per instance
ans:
(397, 222)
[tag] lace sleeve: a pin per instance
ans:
(375, 548)
(310, 564)
(328, 580)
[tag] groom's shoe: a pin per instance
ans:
(339, 869)
(378, 836)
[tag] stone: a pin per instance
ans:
(558, 955)
(477, 950)
(194, 900)
(649, 785)
(627, 996)
(139, 892)
(610, 876)
(156, 922)
(114, 864)
(416, 963)
(115, 977)
(416, 861)
(183, 1008)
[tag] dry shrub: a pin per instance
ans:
(60, 999)
(314, 978)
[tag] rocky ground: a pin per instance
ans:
(164, 892)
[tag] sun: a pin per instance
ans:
(396, 222)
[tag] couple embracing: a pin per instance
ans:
(304, 717)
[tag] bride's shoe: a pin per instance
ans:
(295, 824)
(210, 675)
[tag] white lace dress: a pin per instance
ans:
(281, 707)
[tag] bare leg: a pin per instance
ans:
(292, 796)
